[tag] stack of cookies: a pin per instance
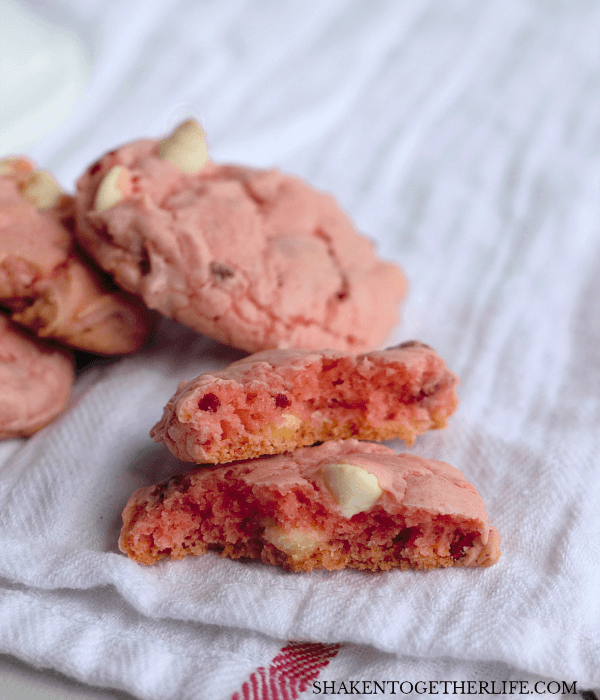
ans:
(339, 503)
(290, 470)
(53, 298)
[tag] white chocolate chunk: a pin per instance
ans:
(294, 543)
(185, 147)
(41, 189)
(113, 188)
(287, 429)
(353, 488)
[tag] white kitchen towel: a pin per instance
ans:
(99, 639)
(464, 138)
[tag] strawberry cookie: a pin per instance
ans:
(277, 400)
(35, 382)
(345, 504)
(252, 258)
(45, 283)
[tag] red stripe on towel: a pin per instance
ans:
(290, 672)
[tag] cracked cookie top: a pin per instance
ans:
(252, 258)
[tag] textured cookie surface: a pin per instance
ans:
(341, 504)
(44, 283)
(277, 400)
(254, 259)
(35, 382)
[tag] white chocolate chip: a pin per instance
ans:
(185, 147)
(353, 488)
(41, 189)
(287, 429)
(113, 188)
(294, 543)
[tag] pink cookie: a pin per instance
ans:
(44, 282)
(341, 504)
(278, 400)
(254, 259)
(35, 382)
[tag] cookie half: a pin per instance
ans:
(45, 283)
(343, 504)
(252, 258)
(35, 382)
(278, 400)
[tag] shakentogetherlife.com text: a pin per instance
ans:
(444, 688)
